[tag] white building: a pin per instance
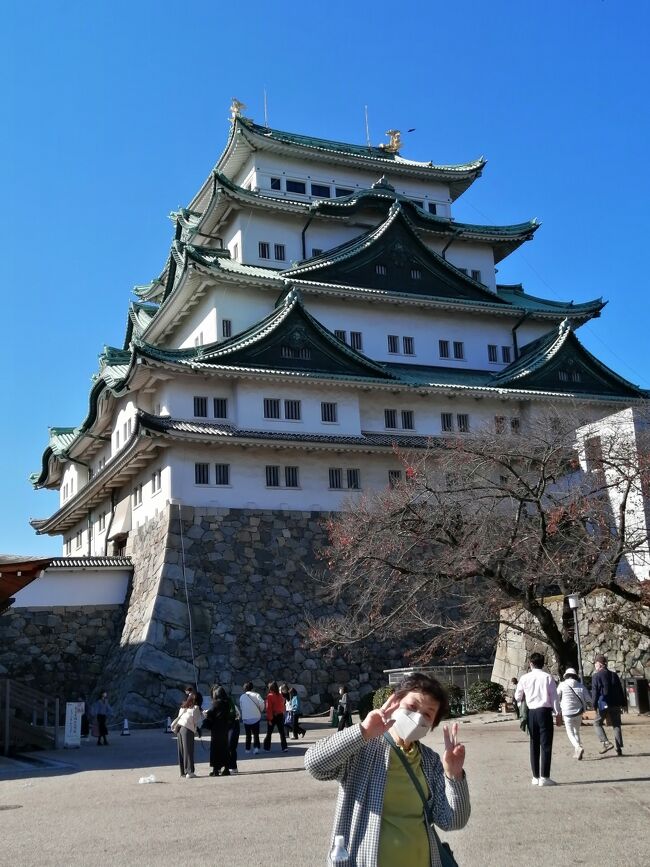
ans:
(319, 305)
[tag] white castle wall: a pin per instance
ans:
(63, 587)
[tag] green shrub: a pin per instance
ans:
(485, 695)
(382, 695)
(456, 698)
(365, 705)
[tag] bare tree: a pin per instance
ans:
(484, 522)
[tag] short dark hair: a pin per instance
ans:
(190, 701)
(418, 682)
(602, 659)
(273, 686)
(537, 660)
(248, 686)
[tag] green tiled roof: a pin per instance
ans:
(516, 296)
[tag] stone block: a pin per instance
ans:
(170, 611)
(169, 667)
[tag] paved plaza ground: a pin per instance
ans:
(91, 810)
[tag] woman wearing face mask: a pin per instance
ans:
(392, 787)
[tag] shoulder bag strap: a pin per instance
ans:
(418, 787)
(582, 701)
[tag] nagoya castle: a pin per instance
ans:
(319, 306)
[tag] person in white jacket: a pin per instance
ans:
(188, 720)
(574, 699)
(251, 707)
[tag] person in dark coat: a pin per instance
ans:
(218, 721)
(608, 698)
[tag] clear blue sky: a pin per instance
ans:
(113, 113)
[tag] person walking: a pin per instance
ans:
(218, 719)
(574, 699)
(343, 710)
(296, 708)
(392, 788)
(539, 690)
(187, 721)
(102, 711)
(251, 707)
(275, 717)
(608, 698)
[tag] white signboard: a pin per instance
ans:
(72, 734)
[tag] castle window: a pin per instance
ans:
(342, 191)
(296, 187)
(576, 376)
(101, 523)
(515, 425)
(408, 421)
(340, 334)
(476, 275)
(394, 478)
(221, 407)
(320, 190)
(271, 407)
(291, 477)
(499, 424)
(390, 418)
(201, 474)
(446, 422)
(416, 274)
(329, 412)
(381, 270)
(433, 208)
(78, 539)
(264, 250)
(354, 479)
(316, 251)
(408, 346)
(222, 474)
(492, 353)
(235, 252)
(226, 327)
(393, 343)
(291, 352)
(137, 495)
(276, 184)
(463, 422)
(272, 477)
(279, 251)
(506, 355)
(155, 481)
(356, 340)
(563, 375)
(292, 410)
(200, 407)
(443, 348)
(68, 547)
(336, 478)
(459, 350)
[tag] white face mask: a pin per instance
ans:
(410, 725)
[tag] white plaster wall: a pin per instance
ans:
(427, 326)
(479, 257)
(125, 411)
(248, 480)
(177, 396)
(57, 587)
(152, 501)
(200, 325)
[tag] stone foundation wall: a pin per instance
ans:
(628, 652)
(62, 651)
(249, 589)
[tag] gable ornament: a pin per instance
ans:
(394, 143)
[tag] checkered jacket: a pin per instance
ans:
(360, 767)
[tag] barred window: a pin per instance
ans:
(443, 348)
(291, 477)
(354, 479)
(221, 407)
(446, 422)
(226, 327)
(381, 270)
(459, 349)
(201, 407)
(416, 274)
(292, 410)
(201, 474)
(264, 250)
(394, 478)
(408, 422)
(506, 355)
(329, 412)
(336, 478)
(492, 353)
(292, 352)
(462, 420)
(408, 345)
(279, 251)
(271, 407)
(272, 477)
(356, 340)
(476, 275)
(515, 425)
(393, 343)
(222, 474)
(340, 334)
(390, 418)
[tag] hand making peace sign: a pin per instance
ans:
(453, 757)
